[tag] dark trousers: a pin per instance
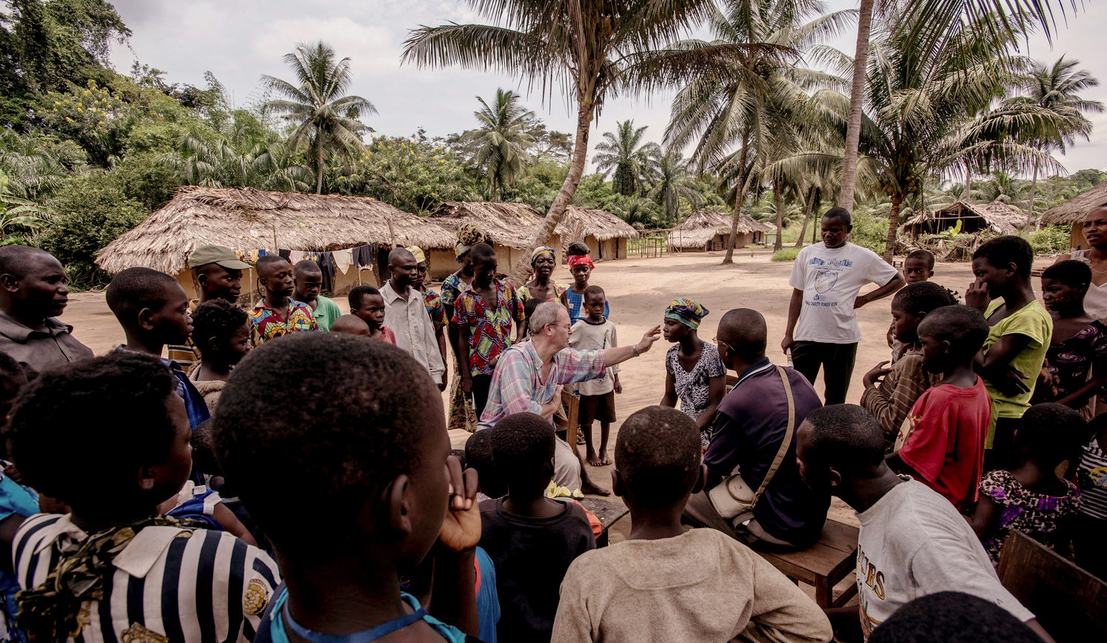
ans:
(836, 360)
(481, 385)
(1002, 455)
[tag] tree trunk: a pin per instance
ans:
(521, 271)
(807, 216)
(319, 170)
(739, 197)
(778, 203)
(893, 225)
(856, 104)
(967, 194)
(1033, 189)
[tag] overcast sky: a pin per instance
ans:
(239, 40)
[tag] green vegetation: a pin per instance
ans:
(785, 254)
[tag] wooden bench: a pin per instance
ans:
(608, 513)
(824, 564)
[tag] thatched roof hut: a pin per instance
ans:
(997, 217)
(511, 228)
(705, 230)
(1074, 210)
(245, 219)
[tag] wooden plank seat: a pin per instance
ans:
(607, 511)
(824, 564)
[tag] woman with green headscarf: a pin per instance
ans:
(695, 373)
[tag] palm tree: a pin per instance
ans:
(925, 23)
(1055, 92)
(756, 111)
(218, 164)
(587, 47)
(326, 120)
(673, 183)
(623, 152)
(502, 141)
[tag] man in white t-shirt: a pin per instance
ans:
(912, 540)
(822, 327)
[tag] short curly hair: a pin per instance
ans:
(924, 297)
(522, 452)
(87, 467)
(134, 289)
(218, 320)
(657, 456)
(342, 415)
(1008, 249)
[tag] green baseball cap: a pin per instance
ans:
(225, 257)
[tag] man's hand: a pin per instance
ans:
(873, 377)
(861, 301)
(461, 526)
(976, 296)
(551, 407)
(651, 336)
(442, 383)
(1011, 382)
(466, 384)
(786, 343)
(618, 386)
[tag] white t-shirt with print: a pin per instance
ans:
(830, 279)
(914, 543)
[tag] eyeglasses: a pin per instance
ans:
(719, 342)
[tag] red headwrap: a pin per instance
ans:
(576, 260)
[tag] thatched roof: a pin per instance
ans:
(997, 216)
(246, 219)
(514, 224)
(1074, 210)
(702, 225)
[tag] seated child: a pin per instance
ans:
(1018, 337)
(1090, 471)
(918, 267)
(367, 303)
(222, 332)
(350, 325)
(111, 563)
(597, 397)
(953, 617)
(1031, 498)
(1073, 373)
(16, 502)
(665, 584)
(152, 308)
(531, 538)
(942, 441)
(478, 455)
(363, 429)
(902, 384)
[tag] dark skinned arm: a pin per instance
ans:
(894, 284)
(716, 392)
(995, 365)
(794, 306)
(8, 528)
(453, 593)
(670, 397)
(1078, 398)
(462, 351)
(984, 516)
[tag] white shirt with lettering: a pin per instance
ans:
(830, 279)
(914, 543)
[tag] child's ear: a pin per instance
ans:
(701, 479)
(617, 485)
(144, 317)
(400, 505)
(834, 478)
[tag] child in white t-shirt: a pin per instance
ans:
(822, 330)
(597, 397)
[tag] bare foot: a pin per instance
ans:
(604, 461)
(590, 488)
(594, 460)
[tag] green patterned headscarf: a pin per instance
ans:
(686, 311)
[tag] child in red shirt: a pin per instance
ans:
(941, 443)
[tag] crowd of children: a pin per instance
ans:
(371, 529)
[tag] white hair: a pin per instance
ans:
(543, 315)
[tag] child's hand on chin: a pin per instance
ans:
(461, 526)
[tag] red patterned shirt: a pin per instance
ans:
(489, 326)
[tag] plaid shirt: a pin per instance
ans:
(891, 401)
(489, 327)
(517, 387)
(267, 325)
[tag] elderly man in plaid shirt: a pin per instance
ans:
(529, 375)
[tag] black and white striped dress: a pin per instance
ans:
(169, 584)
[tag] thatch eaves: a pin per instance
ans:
(514, 224)
(245, 219)
(600, 224)
(1075, 209)
(700, 227)
(997, 216)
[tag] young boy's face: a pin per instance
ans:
(420, 276)
(484, 269)
(1057, 295)
(935, 353)
(673, 331)
(594, 305)
(308, 285)
(994, 278)
(834, 232)
(221, 283)
(580, 273)
(277, 279)
(371, 310)
(916, 270)
(905, 325)
(240, 344)
(172, 321)
(166, 478)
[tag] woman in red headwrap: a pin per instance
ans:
(580, 266)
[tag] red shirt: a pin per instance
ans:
(386, 336)
(942, 440)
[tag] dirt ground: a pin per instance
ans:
(639, 290)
